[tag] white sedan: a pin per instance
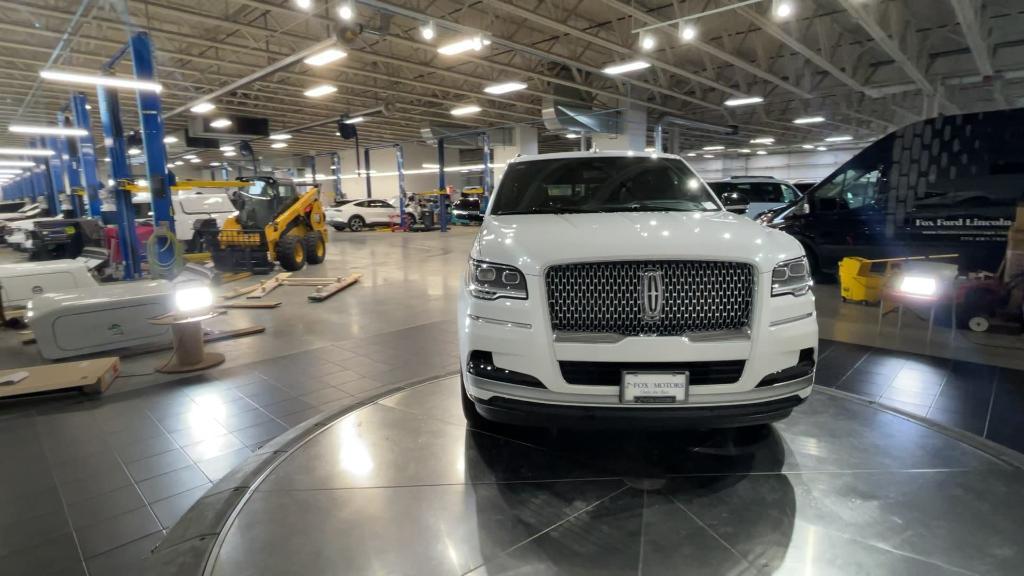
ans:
(357, 215)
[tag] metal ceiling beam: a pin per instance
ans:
(506, 6)
(887, 43)
(969, 14)
(775, 30)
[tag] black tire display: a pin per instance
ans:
(316, 248)
(291, 253)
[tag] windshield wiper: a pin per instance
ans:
(650, 208)
(548, 210)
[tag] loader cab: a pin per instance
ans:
(260, 202)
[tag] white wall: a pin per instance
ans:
(788, 166)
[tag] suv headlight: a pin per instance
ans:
(489, 281)
(792, 277)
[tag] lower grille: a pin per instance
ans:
(610, 373)
(650, 298)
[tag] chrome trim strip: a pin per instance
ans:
(588, 338)
(790, 320)
(741, 335)
(496, 322)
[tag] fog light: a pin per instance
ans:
(919, 286)
(193, 298)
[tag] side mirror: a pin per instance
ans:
(735, 202)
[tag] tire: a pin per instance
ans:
(356, 223)
(315, 247)
(291, 253)
(473, 418)
(410, 219)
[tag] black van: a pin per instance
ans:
(947, 185)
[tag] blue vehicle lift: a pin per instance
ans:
(87, 155)
(152, 126)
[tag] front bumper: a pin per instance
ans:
(518, 335)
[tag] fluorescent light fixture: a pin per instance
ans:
(10, 171)
(170, 166)
(355, 120)
(808, 146)
(25, 152)
(106, 159)
(692, 155)
(761, 152)
(572, 135)
(220, 123)
(716, 147)
(427, 31)
(229, 153)
(687, 32)
(626, 67)
(782, 8)
(919, 286)
(279, 145)
(170, 139)
(326, 57)
(464, 110)
(821, 148)
(195, 161)
(709, 155)
(280, 136)
(505, 88)
(346, 11)
(838, 138)
(179, 163)
(428, 165)
(744, 151)
(202, 108)
(134, 151)
(809, 120)
(48, 130)
(647, 42)
(304, 4)
(189, 156)
(100, 80)
(193, 298)
(226, 148)
(744, 101)
(27, 163)
(321, 90)
(214, 163)
(763, 141)
(465, 45)
(88, 106)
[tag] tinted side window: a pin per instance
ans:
(362, 204)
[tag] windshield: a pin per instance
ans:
(601, 184)
(201, 204)
(467, 204)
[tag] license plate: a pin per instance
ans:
(654, 387)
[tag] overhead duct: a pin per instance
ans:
(566, 110)
(659, 128)
(460, 137)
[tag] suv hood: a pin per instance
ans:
(534, 242)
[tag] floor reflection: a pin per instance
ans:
(658, 521)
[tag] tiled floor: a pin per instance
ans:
(100, 480)
(980, 399)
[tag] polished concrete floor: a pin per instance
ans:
(841, 487)
(97, 482)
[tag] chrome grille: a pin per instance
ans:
(608, 297)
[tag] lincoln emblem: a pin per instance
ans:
(652, 294)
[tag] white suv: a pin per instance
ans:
(610, 289)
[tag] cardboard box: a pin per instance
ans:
(1018, 222)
